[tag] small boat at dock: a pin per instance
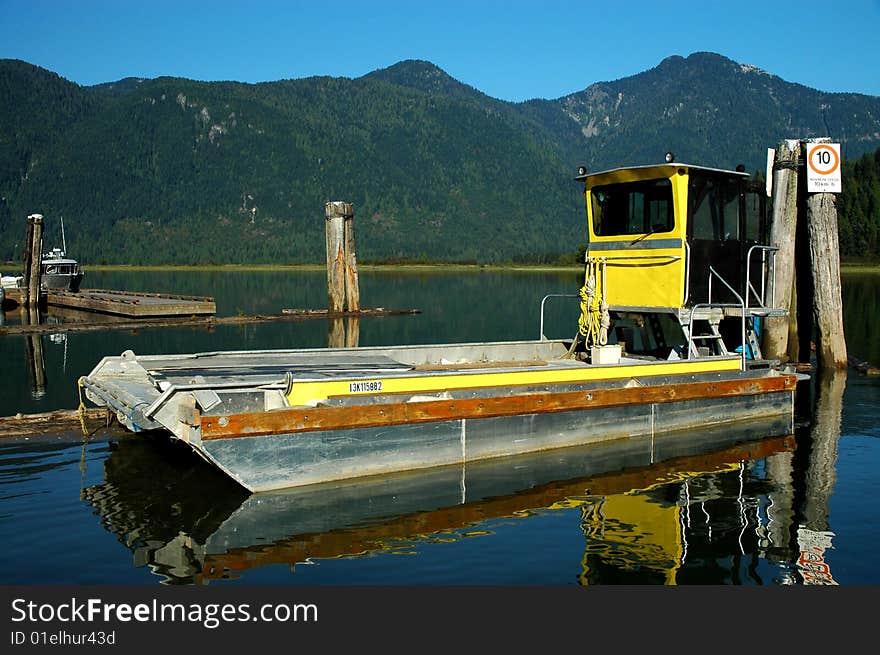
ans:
(58, 271)
(677, 279)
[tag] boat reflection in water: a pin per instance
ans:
(642, 505)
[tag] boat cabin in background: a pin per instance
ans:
(58, 271)
(675, 250)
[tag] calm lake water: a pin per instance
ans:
(724, 506)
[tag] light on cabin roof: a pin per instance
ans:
(670, 157)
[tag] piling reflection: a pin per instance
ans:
(818, 449)
(343, 332)
(648, 508)
(34, 349)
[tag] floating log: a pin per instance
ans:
(324, 313)
(198, 321)
(62, 424)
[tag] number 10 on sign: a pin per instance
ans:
(823, 168)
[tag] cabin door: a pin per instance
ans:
(716, 239)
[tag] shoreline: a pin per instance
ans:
(854, 267)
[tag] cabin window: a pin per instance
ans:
(705, 219)
(730, 211)
(754, 211)
(641, 207)
(714, 208)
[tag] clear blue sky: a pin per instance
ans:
(513, 50)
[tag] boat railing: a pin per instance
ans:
(741, 304)
(768, 272)
(542, 337)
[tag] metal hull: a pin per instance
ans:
(277, 419)
(61, 281)
(295, 459)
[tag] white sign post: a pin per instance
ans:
(823, 168)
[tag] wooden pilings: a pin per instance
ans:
(352, 286)
(32, 259)
(343, 288)
(30, 296)
(804, 228)
(782, 236)
(334, 213)
(827, 301)
(342, 274)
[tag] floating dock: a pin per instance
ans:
(124, 303)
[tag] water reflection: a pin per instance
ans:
(648, 508)
(36, 362)
(818, 447)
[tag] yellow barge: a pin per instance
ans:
(667, 339)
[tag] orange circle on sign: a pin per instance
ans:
(833, 154)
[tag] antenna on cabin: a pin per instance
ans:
(63, 241)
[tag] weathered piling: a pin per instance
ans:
(352, 286)
(804, 228)
(343, 288)
(825, 259)
(802, 314)
(32, 259)
(334, 213)
(782, 236)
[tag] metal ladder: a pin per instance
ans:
(710, 338)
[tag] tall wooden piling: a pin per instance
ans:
(804, 228)
(32, 260)
(827, 301)
(782, 236)
(802, 313)
(343, 288)
(334, 213)
(352, 286)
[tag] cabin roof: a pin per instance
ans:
(690, 167)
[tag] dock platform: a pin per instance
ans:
(125, 303)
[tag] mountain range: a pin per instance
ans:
(170, 170)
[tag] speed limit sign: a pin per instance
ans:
(823, 168)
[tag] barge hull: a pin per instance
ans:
(302, 458)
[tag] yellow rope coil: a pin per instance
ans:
(593, 322)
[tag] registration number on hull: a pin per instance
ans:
(365, 387)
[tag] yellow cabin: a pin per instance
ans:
(674, 250)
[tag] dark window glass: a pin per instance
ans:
(635, 208)
(754, 210)
(705, 219)
(715, 206)
(730, 210)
